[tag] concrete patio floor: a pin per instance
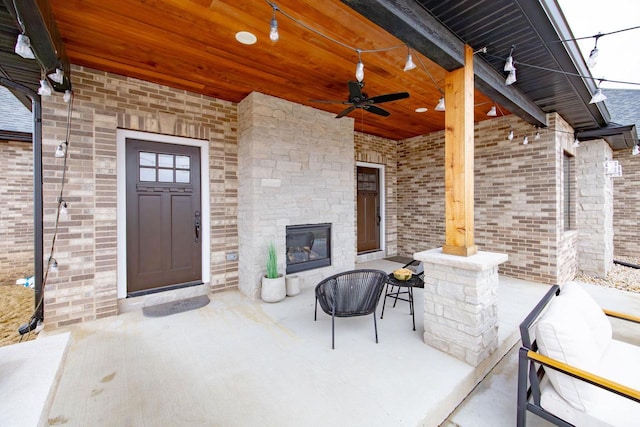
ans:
(238, 362)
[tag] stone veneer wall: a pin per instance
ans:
(595, 208)
(85, 286)
(626, 206)
(296, 166)
(374, 149)
(16, 210)
(517, 198)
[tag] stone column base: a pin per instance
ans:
(460, 303)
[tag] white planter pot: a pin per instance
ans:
(273, 290)
(293, 285)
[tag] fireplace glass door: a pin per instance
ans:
(308, 247)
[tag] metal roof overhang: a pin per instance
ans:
(439, 30)
(617, 136)
(46, 43)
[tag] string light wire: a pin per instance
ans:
(51, 260)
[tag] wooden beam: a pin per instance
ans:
(458, 152)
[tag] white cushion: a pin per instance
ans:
(562, 334)
(592, 313)
(619, 364)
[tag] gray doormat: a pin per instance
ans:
(174, 307)
(400, 259)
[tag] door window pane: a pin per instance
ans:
(183, 176)
(165, 175)
(165, 160)
(147, 159)
(147, 174)
(183, 162)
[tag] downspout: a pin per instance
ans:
(36, 109)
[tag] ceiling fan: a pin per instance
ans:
(359, 99)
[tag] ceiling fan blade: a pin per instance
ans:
(346, 111)
(355, 89)
(328, 101)
(388, 97)
(376, 110)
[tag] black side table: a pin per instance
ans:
(394, 288)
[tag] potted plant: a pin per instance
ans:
(274, 288)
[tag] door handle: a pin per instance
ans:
(196, 224)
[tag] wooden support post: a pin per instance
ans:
(459, 232)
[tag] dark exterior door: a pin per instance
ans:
(368, 209)
(164, 230)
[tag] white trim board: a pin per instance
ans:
(121, 137)
(383, 206)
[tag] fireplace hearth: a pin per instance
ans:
(308, 247)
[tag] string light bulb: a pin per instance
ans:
(525, 141)
(537, 137)
(45, 88)
(598, 96)
(53, 265)
(67, 96)
(576, 142)
(492, 111)
(23, 47)
(592, 61)
(61, 151)
(440, 106)
(636, 150)
(510, 135)
(57, 76)
(409, 65)
(63, 207)
(511, 78)
(508, 64)
(273, 29)
(359, 68)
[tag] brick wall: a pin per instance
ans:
(16, 209)
(420, 193)
(85, 287)
(517, 197)
(382, 151)
(626, 206)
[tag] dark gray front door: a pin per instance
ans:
(164, 232)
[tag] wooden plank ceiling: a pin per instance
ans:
(191, 45)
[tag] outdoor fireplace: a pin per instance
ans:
(308, 247)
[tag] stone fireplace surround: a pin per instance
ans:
(295, 166)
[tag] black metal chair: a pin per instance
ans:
(348, 294)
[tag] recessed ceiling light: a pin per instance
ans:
(246, 37)
(421, 109)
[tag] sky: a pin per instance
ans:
(619, 57)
